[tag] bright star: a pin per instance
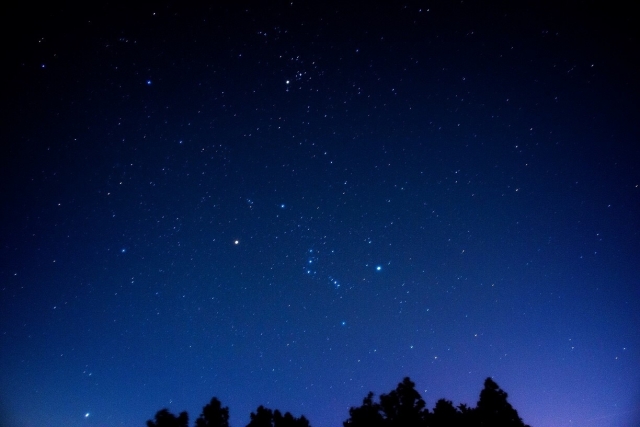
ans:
(378, 268)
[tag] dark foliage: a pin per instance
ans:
(493, 408)
(164, 418)
(369, 414)
(445, 414)
(402, 407)
(264, 417)
(213, 415)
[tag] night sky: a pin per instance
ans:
(293, 204)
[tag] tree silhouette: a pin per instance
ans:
(265, 417)
(164, 418)
(494, 410)
(466, 415)
(402, 407)
(288, 420)
(445, 414)
(369, 414)
(213, 415)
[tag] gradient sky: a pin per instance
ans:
(292, 205)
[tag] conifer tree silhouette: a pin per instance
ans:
(402, 407)
(369, 414)
(494, 410)
(265, 417)
(445, 414)
(213, 415)
(164, 418)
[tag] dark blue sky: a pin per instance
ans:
(292, 205)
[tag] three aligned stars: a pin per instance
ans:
(237, 242)
(378, 268)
